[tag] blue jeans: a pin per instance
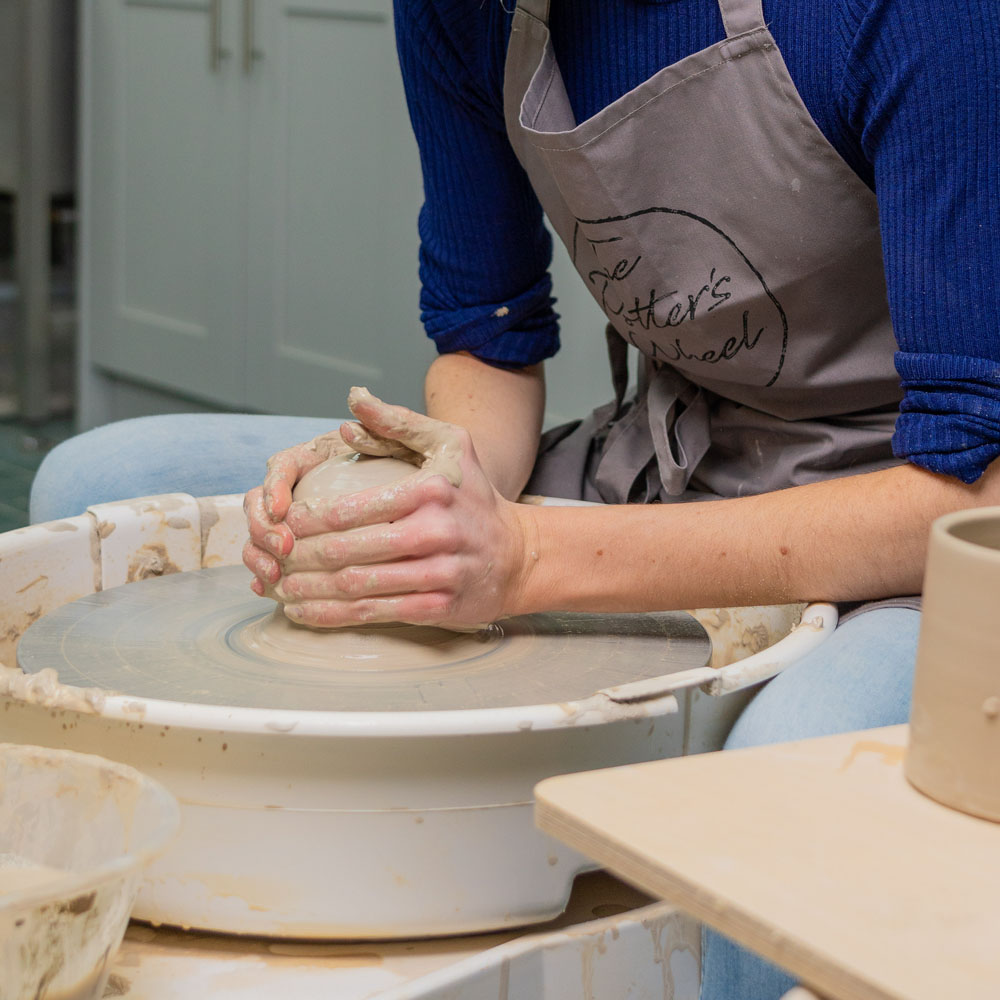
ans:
(201, 454)
(860, 678)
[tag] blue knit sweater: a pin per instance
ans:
(907, 91)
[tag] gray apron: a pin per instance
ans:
(727, 241)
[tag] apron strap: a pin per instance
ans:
(679, 425)
(654, 449)
(618, 362)
(740, 16)
(538, 9)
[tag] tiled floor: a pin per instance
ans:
(22, 448)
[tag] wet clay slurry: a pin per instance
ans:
(366, 647)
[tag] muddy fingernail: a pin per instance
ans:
(294, 612)
(274, 542)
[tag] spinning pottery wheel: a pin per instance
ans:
(377, 796)
(370, 782)
(203, 637)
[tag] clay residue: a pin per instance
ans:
(890, 753)
(150, 560)
(37, 580)
(737, 633)
(363, 648)
(105, 528)
(209, 517)
(117, 986)
(178, 523)
(810, 625)
(44, 689)
(60, 526)
(14, 632)
(164, 504)
(95, 556)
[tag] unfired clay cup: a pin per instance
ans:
(954, 749)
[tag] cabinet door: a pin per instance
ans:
(164, 193)
(335, 190)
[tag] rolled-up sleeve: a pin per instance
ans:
(950, 416)
(922, 91)
(484, 249)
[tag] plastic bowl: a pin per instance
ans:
(81, 829)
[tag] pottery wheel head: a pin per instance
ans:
(201, 637)
(368, 647)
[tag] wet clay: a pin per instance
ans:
(954, 747)
(367, 647)
(374, 647)
(18, 873)
(345, 474)
(45, 689)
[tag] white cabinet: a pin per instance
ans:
(334, 189)
(251, 188)
(250, 192)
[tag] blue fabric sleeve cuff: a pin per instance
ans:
(520, 331)
(950, 415)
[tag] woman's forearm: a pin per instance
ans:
(854, 538)
(501, 409)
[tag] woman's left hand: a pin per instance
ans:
(438, 547)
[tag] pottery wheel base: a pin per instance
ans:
(204, 637)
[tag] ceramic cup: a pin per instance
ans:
(954, 750)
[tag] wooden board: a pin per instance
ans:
(819, 855)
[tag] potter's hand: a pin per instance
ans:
(267, 505)
(438, 547)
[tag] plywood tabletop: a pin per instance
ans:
(817, 854)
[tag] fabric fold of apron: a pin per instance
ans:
(728, 242)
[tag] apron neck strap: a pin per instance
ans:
(740, 16)
(538, 9)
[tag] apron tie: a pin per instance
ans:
(680, 427)
(654, 446)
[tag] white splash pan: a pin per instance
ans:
(350, 824)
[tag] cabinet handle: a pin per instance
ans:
(250, 51)
(216, 53)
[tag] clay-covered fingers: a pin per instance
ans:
(415, 609)
(269, 536)
(359, 438)
(287, 467)
(378, 505)
(263, 565)
(442, 445)
(414, 537)
(436, 573)
(268, 543)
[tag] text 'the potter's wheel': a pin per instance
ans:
(203, 637)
